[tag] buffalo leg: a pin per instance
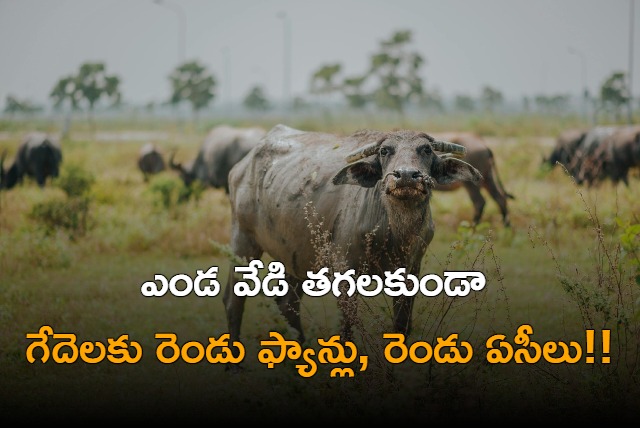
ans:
(246, 248)
(477, 199)
(234, 307)
(500, 199)
(402, 308)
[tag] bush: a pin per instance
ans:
(75, 181)
(169, 192)
(70, 214)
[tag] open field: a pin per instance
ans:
(559, 268)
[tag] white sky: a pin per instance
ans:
(517, 46)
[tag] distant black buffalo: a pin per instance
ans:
(39, 156)
(150, 160)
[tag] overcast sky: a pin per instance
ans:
(520, 47)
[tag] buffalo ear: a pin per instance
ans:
(450, 170)
(365, 173)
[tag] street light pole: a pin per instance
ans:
(630, 74)
(286, 79)
(227, 77)
(182, 27)
(583, 72)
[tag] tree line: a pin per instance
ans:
(393, 81)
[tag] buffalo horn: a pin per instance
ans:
(456, 150)
(172, 164)
(363, 152)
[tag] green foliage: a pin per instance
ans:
(70, 214)
(491, 98)
(322, 80)
(191, 82)
(65, 91)
(630, 241)
(391, 82)
(91, 83)
(14, 105)
(397, 73)
(551, 104)
(94, 83)
(169, 192)
(75, 180)
(614, 93)
(256, 99)
(464, 103)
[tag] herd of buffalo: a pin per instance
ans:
(371, 190)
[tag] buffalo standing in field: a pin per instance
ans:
(39, 156)
(576, 150)
(583, 162)
(618, 153)
(565, 148)
(222, 148)
(481, 157)
(150, 161)
(370, 192)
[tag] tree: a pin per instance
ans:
(191, 82)
(93, 83)
(397, 73)
(322, 80)
(491, 98)
(88, 86)
(433, 100)
(391, 82)
(65, 91)
(614, 93)
(352, 88)
(14, 105)
(552, 104)
(256, 99)
(464, 103)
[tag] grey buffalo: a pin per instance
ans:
(150, 160)
(369, 194)
(222, 148)
(565, 147)
(39, 157)
(583, 163)
(482, 158)
(618, 153)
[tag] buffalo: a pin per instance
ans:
(222, 148)
(367, 193)
(578, 150)
(479, 155)
(566, 145)
(39, 157)
(583, 163)
(613, 159)
(150, 161)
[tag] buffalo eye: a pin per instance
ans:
(384, 151)
(427, 150)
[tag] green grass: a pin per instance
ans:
(558, 269)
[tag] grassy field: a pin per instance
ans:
(561, 268)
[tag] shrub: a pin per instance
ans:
(70, 214)
(75, 181)
(169, 192)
